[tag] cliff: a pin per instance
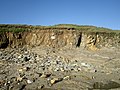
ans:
(87, 37)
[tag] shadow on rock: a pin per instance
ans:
(106, 85)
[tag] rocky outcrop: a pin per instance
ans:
(60, 38)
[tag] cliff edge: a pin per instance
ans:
(87, 37)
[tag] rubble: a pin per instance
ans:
(21, 68)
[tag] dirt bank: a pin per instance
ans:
(60, 38)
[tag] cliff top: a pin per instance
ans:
(20, 28)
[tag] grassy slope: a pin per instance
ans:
(20, 28)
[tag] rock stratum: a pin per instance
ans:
(59, 36)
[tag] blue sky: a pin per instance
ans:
(102, 13)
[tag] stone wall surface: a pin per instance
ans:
(60, 38)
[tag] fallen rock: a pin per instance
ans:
(19, 86)
(19, 78)
(61, 69)
(41, 86)
(79, 69)
(26, 59)
(56, 69)
(29, 81)
(66, 77)
(55, 80)
(2, 82)
(85, 64)
(26, 68)
(45, 75)
(20, 56)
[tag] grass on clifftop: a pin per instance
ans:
(21, 28)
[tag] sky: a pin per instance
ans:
(101, 13)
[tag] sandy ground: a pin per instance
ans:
(94, 70)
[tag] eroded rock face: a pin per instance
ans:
(3, 41)
(60, 38)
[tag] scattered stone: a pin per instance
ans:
(95, 70)
(45, 63)
(42, 65)
(26, 68)
(20, 70)
(48, 79)
(53, 37)
(29, 81)
(2, 82)
(19, 86)
(41, 86)
(22, 87)
(26, 59)
(26, 52)
(66, 77)
(8, 82)
(55, 80)
(40, 74)
(20, 56)
(85, 64)
(93, 77)
(61, 69)
(79, 69)
(56, 69)
(45, 75)
(19, 78)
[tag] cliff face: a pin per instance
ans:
(60, 38)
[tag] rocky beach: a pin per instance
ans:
(49, 59)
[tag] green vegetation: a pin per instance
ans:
(13, 28)
(21, 28)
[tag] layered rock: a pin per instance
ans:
(60, 38)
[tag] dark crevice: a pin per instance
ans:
(3, 41)
(95, 39)
(79, 41)
(4, 45)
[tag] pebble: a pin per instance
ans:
(66, 77)
(26, 59)
(26, 68)
(19, 78)
(79, 69)
(29, 81)
(57, 69)
(85, 65)
(20, 56)
(45, 62)
(61, 69)
(55, 80)
(52, 63)
(31, 61)
(45, 75)
(26, 52)
(52, 37)
(20, 70)
(42, 65)
(41, 86)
